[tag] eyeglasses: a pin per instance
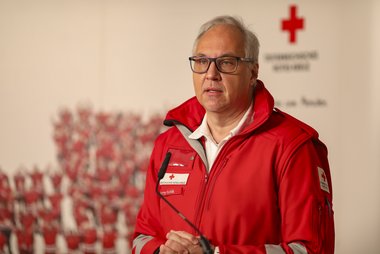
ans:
(224, 64)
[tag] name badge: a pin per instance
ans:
(174, 179)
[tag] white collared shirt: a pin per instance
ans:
(212, 148)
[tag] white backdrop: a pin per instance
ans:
(132, 55)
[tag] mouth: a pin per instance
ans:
(212, 90)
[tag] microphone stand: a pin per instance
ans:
(205, 244)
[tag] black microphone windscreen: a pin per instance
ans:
(164, 166)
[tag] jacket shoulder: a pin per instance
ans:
(282, 126)
(288, 134)
(296, 123)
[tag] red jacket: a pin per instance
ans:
(269, 189)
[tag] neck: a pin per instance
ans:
(221, 124)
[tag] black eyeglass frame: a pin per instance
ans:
(214, 59)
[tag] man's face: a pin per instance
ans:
(218, 92)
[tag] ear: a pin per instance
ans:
(254, 73)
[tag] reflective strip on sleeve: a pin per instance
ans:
(297, 248)
(274, 249)
(140, 241)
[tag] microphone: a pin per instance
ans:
(203, 240)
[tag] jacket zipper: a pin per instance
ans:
(208, 186)
(199, 210)
(212, 184)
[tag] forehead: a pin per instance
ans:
(221, 39)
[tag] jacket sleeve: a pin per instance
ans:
(148, 235)
(304, 201)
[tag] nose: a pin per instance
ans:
(212, 72)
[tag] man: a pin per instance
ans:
(251, 178)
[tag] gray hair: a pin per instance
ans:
(251, 43)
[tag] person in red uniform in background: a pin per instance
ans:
(108, 218)
(6, 224)
(73, 240)
(89, 236)
(56, 179)
(25, 240)
(37, 180)
(25, 231)
(109, 237)
(6, 210)
(250, 177)
(50, 228)
(20, 187)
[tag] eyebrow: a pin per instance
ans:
(223, 55)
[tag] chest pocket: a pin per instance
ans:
(178, 172)
(181, 160)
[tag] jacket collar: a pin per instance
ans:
(190, 113)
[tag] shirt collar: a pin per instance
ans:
(204, 130)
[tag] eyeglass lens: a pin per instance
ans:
(223, 64)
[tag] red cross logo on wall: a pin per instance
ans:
(292, 24)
